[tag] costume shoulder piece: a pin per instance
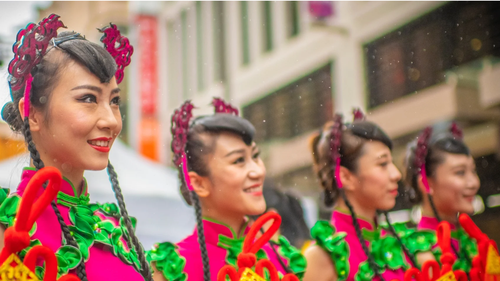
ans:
(166, 258)
(18, 258)
(296, 261)
(335, 245)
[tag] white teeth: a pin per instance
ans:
(99, 143)
(251, 190)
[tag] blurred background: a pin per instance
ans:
(289, 66)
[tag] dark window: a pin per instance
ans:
(300, 107)
(417, 55)
(267, 26)
(219, 41)
(292, 18)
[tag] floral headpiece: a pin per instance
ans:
(30, 47)
(119, 47)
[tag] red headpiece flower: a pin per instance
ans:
(358, 114)
(421, 153)
(335, 142)
(247, 260)
(456, 131)
(17, 238)
(30, 47)
(222, 107)
(119, 47)
(179, 129)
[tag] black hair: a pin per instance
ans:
(45, 76)
(201, 140)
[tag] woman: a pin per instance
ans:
(441, 176)
(65, 101)
(223, 176)
(354, 165)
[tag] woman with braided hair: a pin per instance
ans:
(354, 165)
(222, 176)
(441, 176)
(65, 102)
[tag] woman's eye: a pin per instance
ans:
(384, 164)
(460, 173)
(239, 160)
(116, 100)
(256, 155)
(88, 99)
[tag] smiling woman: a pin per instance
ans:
(66, 104)
(222, 175)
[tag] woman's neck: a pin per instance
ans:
(361, 211)
(428, 212)
(236, 222)
(73, 175)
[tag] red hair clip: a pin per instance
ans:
(486, 265)
(222, 107)
(247, 260)
(17, 238)
(119, 47)
(179, 129)
(421, 154)
(456, 131)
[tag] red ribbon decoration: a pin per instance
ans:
(247, 259)
(17, 238)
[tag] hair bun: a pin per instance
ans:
(11, 115)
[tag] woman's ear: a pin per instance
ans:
(201, 185)
(421, 185)
(34, 117)
(349, 180)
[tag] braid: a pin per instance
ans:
(407, 252)
(38, 163)
(145, 269)
(371, 261)
(201, 236)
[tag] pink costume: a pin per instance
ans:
(94, 226)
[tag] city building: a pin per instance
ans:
(290, 65)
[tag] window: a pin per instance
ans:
(292, 18)
(267, 26)
(219, 41)
(295, 109)
(185, 81)
(418, 54)
(199, 45)
(245, 33)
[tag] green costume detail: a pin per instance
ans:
(335, 245)
(168, 261)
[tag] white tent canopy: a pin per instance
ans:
(150, 191)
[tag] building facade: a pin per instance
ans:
(291, 65)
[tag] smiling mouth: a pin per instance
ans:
(99, 143)
(253, 190)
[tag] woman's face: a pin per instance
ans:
(80, 123)
(454, 184)
(376, 177)
(236, 177)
